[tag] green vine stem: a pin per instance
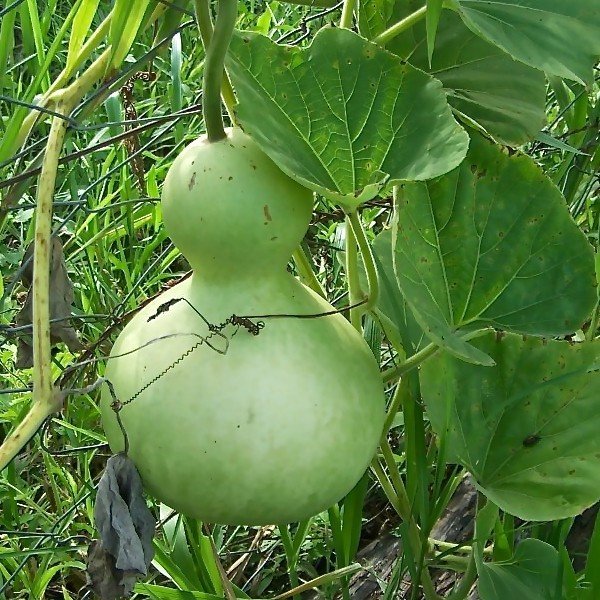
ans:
(412, 362)
(442, 549)
(46, 398)
(393, 408)
(347, 12)
(214, 67)
(205, 28)
(368, 260)
(394, 489)
(396, 29)
(354, 290)
(468, 579)
(401, 507)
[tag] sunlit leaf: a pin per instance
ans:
(81, 26)
(126, 21)
(343, 116)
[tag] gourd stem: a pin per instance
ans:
(354, 289)
(214, 67)
(368, 260)
(205, 27)
(396, 29)
(347, 12)
(203, 18)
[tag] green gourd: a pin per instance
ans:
(251, 429)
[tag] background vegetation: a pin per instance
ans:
(121, 139)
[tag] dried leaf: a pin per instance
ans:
(126, 528)
(103, 578)
(61, 299)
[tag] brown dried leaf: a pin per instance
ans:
(61, 299)
(103, 578)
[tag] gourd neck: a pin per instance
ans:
(238, 279)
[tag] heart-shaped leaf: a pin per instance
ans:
(560, 37)
(527, 429)
(343, 116)
(531, 574)
(505, 97)
(492, 244)
(391, 302)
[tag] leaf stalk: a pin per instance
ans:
(347, 12)
(396, 29)
(368, 260)
(354, 289)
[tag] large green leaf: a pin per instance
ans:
(390, 301)
(343, 116)
(527, 428)
(560, 37)
(505, 97)
(492, 244)
(531, 574)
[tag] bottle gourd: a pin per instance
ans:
(271, 428)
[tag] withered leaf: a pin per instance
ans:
(103, 578)
(126, 528)
(61, 299)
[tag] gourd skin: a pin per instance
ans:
(282, 424)
(231, 210)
